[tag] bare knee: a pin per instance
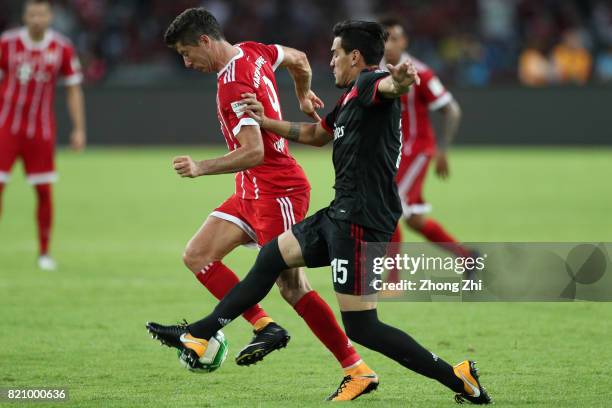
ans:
(293, 285)
(196, 258)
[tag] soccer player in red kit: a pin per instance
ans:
(419, 143)
(32, 60)
(272, 191)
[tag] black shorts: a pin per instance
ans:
(328, 241)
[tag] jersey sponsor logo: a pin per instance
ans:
(257, 74)
(238, 108)
(338, 132)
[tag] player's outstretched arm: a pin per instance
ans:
(452, 119)
(298, 66)
(249, 154)
(403, 75)
(76, 108)
(306, 133)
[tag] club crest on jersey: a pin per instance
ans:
(238, 108)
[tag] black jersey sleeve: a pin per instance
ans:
(328, 121)
(367, 87)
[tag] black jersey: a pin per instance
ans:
(366, 151)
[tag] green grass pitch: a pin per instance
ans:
(123, 218)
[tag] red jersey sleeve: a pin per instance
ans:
(3, 57)
(433, 92)
(232, 108)
(70, 70)
(328, 121)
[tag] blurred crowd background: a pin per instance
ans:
(468, 42)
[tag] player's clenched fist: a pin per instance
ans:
(185, 166)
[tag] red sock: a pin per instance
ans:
(393, 275)
(435, 233)
(321, 320)
(44, 216)
(219, 280)
(1, 189)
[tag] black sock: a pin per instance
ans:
(254, 287)
(363, 327)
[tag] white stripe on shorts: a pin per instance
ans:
(287, 211)
(413, 171)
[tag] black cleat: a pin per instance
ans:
(473, 391)
(168, 335)
(266, 340)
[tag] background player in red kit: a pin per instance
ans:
(272, 191)
(419, 143)
(32, 59)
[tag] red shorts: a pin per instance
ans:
(37, 153)
(410, 178)
(265, 218)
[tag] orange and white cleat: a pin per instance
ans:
(354, 386)
(473, 391)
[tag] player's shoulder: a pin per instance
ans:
(257, 54)
(368, 78)
(11, 34)
(422, 68)
(60, 39)
(246, 67)
(371, 74)
(250, 46)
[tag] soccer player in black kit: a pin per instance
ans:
(364, 127)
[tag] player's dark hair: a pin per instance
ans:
(368, 37)
(188, 26)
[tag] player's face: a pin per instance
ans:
(37, 18)
(341, 64)
(195, 57)
(395, 44)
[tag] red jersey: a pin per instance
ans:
(29, 73)
(252, 70)
(417, 132)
